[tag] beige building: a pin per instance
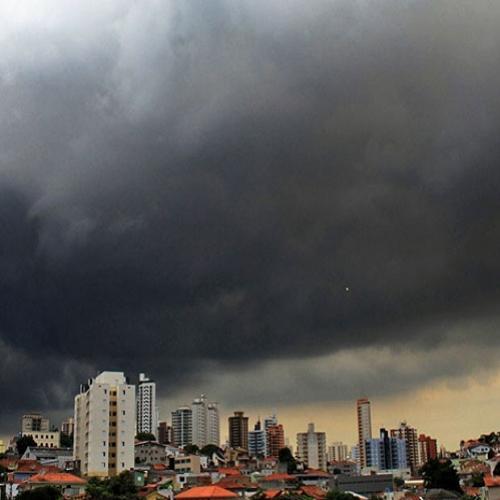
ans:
(2, 446)
(337, 452)
(105, 425)
(46, 439)
(33, 422)
(311, 448)
(364, 414)
(189, 464)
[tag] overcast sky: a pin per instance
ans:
(284, 204)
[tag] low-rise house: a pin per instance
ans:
(345, 467)
(150, 452)
(375, 484)
(58, 457)
(213, 492)
(68, 484)
(279, 481)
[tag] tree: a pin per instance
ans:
(209, 449)
(191, 449)
(399, 482)
(66, 440)
(440, 474)
(42, 493)
(121, 487)
(496, 470)
(339, 495)
(285, 457)
(23, 443)
(145, 436)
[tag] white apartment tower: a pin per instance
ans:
(182, 426)
(311, 448)
(213, 424)
(205, 422)
(364, 415)
(104, 425)
(147, 412)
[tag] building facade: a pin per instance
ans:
(427, 449)
(275, 437)
(105, 418)
(33, 422)
(45, 439)
(147, 412)
(164, 433)
(364, 416)
(410, 436)
(337, 452)
(386, 453)
(311, 448)
(206, 427)
(257, 442)
(238, 430)
(182, 426)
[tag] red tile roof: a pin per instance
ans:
(492, 481)
(272, 494)
(313, 491)
(229, 471)
(200, 492)
(317, 472)
(56, 478)
(279, 477)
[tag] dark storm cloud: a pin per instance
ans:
(200, 182)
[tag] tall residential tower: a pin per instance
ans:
(147, 412)
(364, 428)
(104, 425)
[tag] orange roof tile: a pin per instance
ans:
(200, 492)
(313, 491)
(56, 478)
(272, 493)
(279, 477)
(229, 471)
(491, 481)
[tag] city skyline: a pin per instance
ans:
(283, 205)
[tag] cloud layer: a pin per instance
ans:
(231, 183)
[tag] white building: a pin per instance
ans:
(182, 426)
(311, 448)
(45, 439)
(104, 425)
(338, 452)
(205, 422)
(147, 412)
(213, 425)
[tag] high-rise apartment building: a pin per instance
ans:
(410, 436)
(182, 426)
(213, 424)
(104, 425)
(386, 453)
(147, 412)
(206, 428)
(364, 415)
(311, 448)
(68, 426)
(275, 437)
(257, 442)
(164, 433)
(33, 422)
(427, 449)
(337, 452)
(238, 430)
